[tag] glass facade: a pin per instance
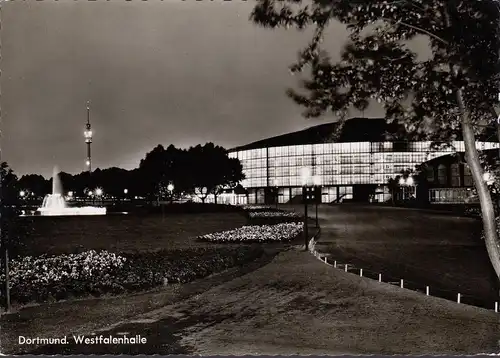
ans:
(452, 196)
(336, 166)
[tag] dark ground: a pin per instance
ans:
(125, 233)
(442, 251)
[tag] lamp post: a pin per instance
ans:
(316, 181)
(99, 193)
(170, 188)
(305, 176)
(275, 184)
(408, 182)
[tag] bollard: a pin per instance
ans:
(335, 263)
(401, 283)
(360, 272)
(345, 267)
(379, 277)
(496, 307)
(458, 298)
(427, 290)
(325, 260)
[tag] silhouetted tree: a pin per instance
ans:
(212, 169)
(452, 93)
(35, 184)
(9, 221)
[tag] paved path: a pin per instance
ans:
(442, 251)
(298, 305)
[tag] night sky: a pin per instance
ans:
(156, 72)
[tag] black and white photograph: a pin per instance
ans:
(261, 177)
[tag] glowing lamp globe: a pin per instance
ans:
(170, 187)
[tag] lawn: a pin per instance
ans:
(125, 233)
(443, 252)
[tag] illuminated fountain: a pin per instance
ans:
(55, 205)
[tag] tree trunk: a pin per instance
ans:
(488, 213)
(215, 199)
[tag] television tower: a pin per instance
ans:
(88, 139)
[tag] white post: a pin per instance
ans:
(325, 260)
(401, 283)
(427, 290)
(496, 307)
(360, 272)
(458, 298)
(379, 277)
(335, 263)
(345, 267)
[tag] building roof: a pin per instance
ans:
(355, 130)
(490, 155)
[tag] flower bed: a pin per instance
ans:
(44, 278)
(261, 233)
(250, 208)
(273, 214)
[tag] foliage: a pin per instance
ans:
(42, 279)
(420, 94)
(190, 171)
(257, 233)
(452, 94)
(211, 170)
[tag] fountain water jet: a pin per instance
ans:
(55, 205)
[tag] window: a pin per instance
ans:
(442, 177)
(430, 174)
(455, 174)
(467, 176)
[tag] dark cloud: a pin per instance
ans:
(180, 72)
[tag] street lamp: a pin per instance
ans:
(316, 181)
(408, 182)
(275, 184)
(305, 176)
(170, 188)
(22, 193)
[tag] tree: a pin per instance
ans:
(35, 184)
(160, 168)
(211, 170)
(152, 171)
(8, 220)
(452, 94)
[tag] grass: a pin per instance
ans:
(443, 252)
(125, 233)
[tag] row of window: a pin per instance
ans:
(451, 196)
(297, 181)
(402, 160)
(355, 147)
(455, 179)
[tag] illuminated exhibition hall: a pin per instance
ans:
(356, 165)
